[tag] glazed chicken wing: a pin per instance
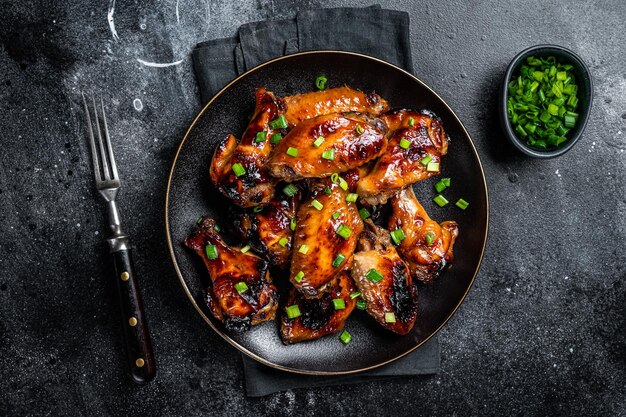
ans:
(335, 100)
(268, 230)
(328, 227)
(237, 169)
(384, 281)
(328, 144)
(318, 316)
(427, 247)
(415, 137)
(241, 293)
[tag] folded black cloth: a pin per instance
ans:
(373, 31)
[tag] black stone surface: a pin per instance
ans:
(542, 332)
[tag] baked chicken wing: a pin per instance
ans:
(304, 106)
(241, 293)
(327, 229)
(384, 281)
(238, 169)
(427, 246)
(413, 154)
(268, 230)
(318, 316)
(319, 147)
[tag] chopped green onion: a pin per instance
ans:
(211, 251)
(304, 249)
(293, 311)
(317, 204)
(440, 200)
(320, 82)
(446, 181)
(361, 304)
(292, 224)
(292, 152)
(426, 160)
(329, 154)
(338, 260)
(327, 190)
(433, 167)
(397, 236)
(411, 121)
(345, 337)
(199, 220)
(462, 204)
(318, 141)
(404, 144)
(238, 169)
(343, 184)
(430, 238)
(336, 215)
(344, 231)
(279, 123)
(290, 190)
(355, 295)
(334, 177)
(261, 136)
(276, 138)
(339, 303)
(298, 277)
(569, 121)
(364, 213)
(217, 228)
(440, 186)
(352, 197)
(283, 242)
(245, 249)
(359, 130)
(373, 275)
(390, 317)
(257, 209)
(241, 287)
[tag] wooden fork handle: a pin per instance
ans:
(136, 335)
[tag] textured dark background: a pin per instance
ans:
(543, 332)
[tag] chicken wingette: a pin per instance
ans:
(238, 169)
(241, 293)
(333, 143)
(384, 281)
(413, 154)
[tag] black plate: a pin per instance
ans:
(190, 194)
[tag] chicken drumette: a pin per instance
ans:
(427, 245)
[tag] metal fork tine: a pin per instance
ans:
(92, 143)
(105, 165)
(107, 139)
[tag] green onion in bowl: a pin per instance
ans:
(541, 102)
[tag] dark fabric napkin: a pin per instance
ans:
(373, 31)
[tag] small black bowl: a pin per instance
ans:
(585, 95)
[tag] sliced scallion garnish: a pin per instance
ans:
(344, 231)
(293, 311)
(373, 275)
(238, 169)
(241, 287)
(211, 251)
(317, 204)
(292, 152)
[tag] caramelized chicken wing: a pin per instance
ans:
(327, 226)
(335, 100)
(384, 281)
(241, 293)
(268, 230)
(427, 247)
(328, 144)
(416, 136)
(318, 316)
(238, 169)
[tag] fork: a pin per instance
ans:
(136, 335)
